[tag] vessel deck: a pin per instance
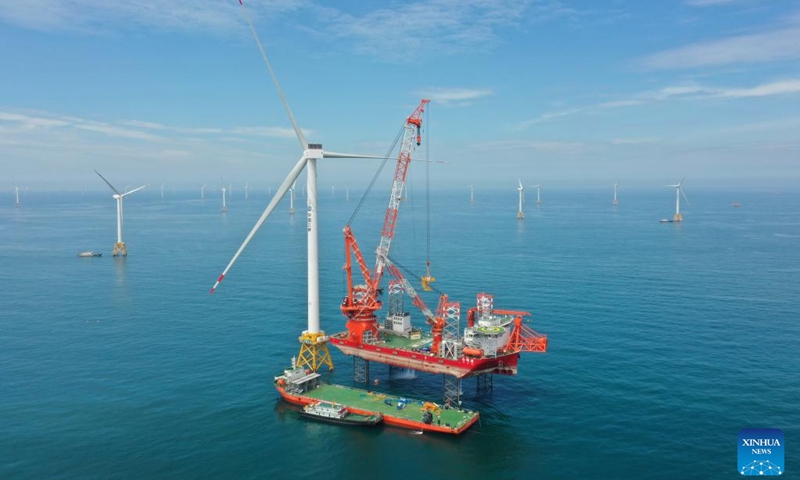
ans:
(399, 341)
(375, 402)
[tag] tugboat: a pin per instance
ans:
(336, 413)
(89, 254)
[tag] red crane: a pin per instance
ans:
(362, 301)
(492, 341)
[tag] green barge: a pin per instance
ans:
(302, 388)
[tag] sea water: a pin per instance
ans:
(664, 339)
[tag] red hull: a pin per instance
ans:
(425, 362)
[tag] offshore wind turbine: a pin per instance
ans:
(471, 193)
(313, 341)
(246, 192)
(120, 250)
(616, 202)
(521, 190)
(333, 190)
(678, 217)
(224, 206)
(538, 194)
(347, 192)
(162, 190)
(203, 191)
(16, 194)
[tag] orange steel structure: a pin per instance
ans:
(362, 301)
(503, 330)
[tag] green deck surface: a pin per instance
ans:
(374, 401)
(398, 341)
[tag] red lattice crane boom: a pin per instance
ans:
(362, 301)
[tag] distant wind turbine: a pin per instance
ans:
(119, 248)
(16, 194)
(521, 190)
(472, 193)
(616, 202)
(538, 194)
(678, 217)
(203, 191)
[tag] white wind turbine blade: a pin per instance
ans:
(134, 190)
(326, 154)
(108, 183)
(297, 131)
(285, 186)
(684, 195)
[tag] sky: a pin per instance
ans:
(559, 93)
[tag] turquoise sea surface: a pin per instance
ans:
(665, 340)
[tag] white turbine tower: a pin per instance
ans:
(162, 190)
(246, 192)
(471, 193)
(291, 197)
(616, 202)
(521, 191)
(224, 206)
(346, 192)
(678, 193)
(203, 191)
(269, 191)
(538, 194)
(16, 194)
(313, 341)
(119, 248)
(333, 190)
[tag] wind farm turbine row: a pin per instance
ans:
(677, 218)
(121, 250)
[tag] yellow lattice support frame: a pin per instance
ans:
(120, 250)
(314, 351)
(678, 217)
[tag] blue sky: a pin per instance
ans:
(560, 93)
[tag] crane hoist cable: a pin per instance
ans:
(428, 278)
(375, 177)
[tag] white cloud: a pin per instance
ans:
(408, 30)
(454, 96)
(713, 3)
(15, 124)
(28, 122)
(693, 91)
(775, 88)
(779, 45)
(89, 16)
